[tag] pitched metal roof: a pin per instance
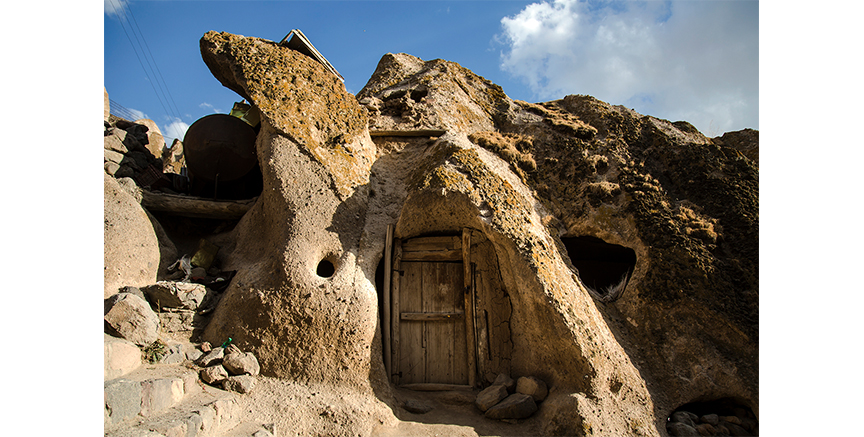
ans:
(295, 40)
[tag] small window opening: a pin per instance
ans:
(604, 268)
(418, 93)
(326, 268)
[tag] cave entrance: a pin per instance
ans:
(603, 267)
(724, 416)
(445, 313)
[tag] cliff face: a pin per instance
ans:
(559, 197)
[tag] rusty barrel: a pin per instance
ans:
(219, 147)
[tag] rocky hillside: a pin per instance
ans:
(610, 260)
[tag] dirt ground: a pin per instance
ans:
(297, 409)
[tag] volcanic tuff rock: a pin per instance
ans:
(131, 247)
(523, 179)
(686, 204)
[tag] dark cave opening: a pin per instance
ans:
(603, 267)
(723, 416)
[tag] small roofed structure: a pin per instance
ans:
(296, 40)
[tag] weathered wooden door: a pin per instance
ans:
(433, 341)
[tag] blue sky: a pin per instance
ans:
(687, 60)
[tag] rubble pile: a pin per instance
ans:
(508, 400)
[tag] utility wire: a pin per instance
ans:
(125, 18)
(167, 91)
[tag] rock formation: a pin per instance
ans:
(619, 252)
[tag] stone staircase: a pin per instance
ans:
(170, 400)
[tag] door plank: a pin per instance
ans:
(385, 306)
(413, 356)
(468, 286)
(433, 317)
(396, 331)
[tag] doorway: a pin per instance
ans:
(438, 304)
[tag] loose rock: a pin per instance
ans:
(712, 419)
(505, 380)
(240, 384)
(214, 374)
(493, 394)
(681, 429)
(210, 358)
(241, 363)
(533, 387)
(515, 406)
(169, 294)
(684, 417)
(130, 317)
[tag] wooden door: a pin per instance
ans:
(432, 339)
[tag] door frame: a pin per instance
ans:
(458, 250)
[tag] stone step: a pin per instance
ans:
(167, 399)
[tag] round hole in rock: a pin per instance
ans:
(725, 416)
(325, 268)
(603, 267)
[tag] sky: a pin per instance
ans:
(696, 61)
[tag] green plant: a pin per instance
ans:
(155, 351)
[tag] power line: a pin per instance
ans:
(167, 91)
(159, 97)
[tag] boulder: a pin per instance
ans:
(131, 249)
(684, 417)
(531, 386)
(170, 294)
(121, 357)
(214, 374)
(712, 419)
(515, 406)
(505, 380)
(130, 317)
(241, 384)
(706, 429)
(155, 140)
(681, 430)
(490, 396)
(210, 358)
(239, 363)
(735, 429)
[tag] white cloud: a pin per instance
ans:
(115, 7)
(687, 60)
(176, 128)
(135, 114)
(206, 105)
